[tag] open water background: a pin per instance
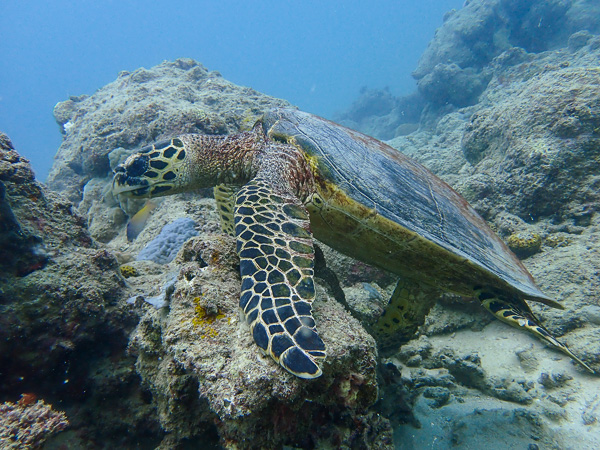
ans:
(315, 54)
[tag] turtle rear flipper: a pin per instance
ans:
(409, 305)
(277, 267)
(517, 314)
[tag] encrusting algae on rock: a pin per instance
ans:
(128, 271)
(205, 316)
(524, 244)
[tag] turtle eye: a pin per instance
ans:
(138, 166)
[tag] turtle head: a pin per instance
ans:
(188, 162)
(159, 169)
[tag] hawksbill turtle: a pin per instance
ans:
(296, 176)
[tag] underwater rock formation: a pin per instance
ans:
(21, 250)
(521, 144)
(539, 144)
(51, 251)
(198, 359)
(141, 107)
(463, 56)
(63, 326)
(472, 37)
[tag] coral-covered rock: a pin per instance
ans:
(143, 106)
(201, 365)
(541, 144)
(63, 323)
(29, 423)
(59, 291)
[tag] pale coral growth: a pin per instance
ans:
(27, 424)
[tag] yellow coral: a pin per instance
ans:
(128, 271)
(524, 244)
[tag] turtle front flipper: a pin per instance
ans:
(517, 313)
(225, 197)
(277, 267)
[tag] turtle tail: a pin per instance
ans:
(518, 314)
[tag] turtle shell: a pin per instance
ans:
(401, 190)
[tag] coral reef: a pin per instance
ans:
(64, 282)
(21, 250)
(164, 247)
(531, 149)
(28, 423)
(461, 59)
(507, 113)
(451, 84)
(63, 324)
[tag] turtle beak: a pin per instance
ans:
(129, 177)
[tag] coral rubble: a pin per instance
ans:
(28, 423)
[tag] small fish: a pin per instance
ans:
(137, 223)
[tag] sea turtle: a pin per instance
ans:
(296, 176)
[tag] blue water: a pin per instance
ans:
(315, 54)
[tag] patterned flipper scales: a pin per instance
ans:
(517, 314)
(409, 305)
(277, 267)
(225, 198)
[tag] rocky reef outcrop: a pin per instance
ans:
(63, 325)
(198, 359)
(454, 69)
(507, 113)
(463, 58)
(523, 148)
